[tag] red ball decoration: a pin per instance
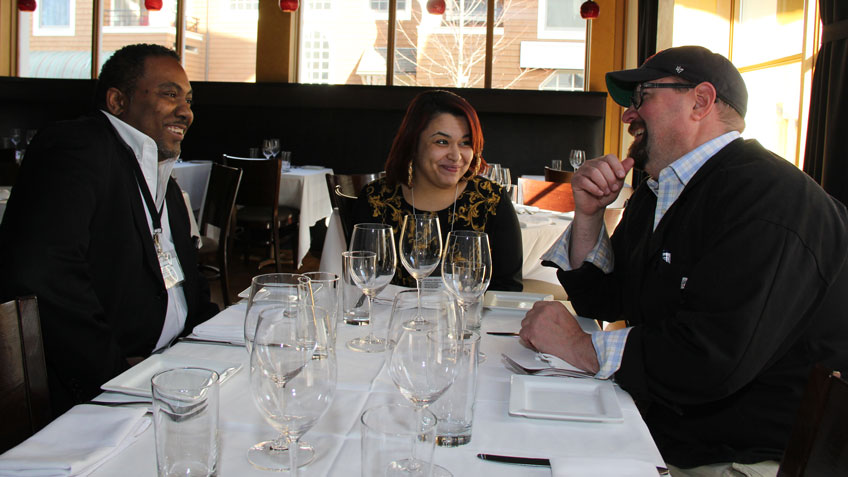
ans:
(153, 5)
(589, 10)
(288, 5)
(26, 5)
(436, 7)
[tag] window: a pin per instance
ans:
(383, 5)
(244, 5)
(320, 4)
(563, 81)
(471, 13)
(54, 18)
(560, 19)
(316, 58)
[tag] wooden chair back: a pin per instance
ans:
(556, 175)
(547, 195)
(343, 190)
(216, 222)
(24, 395)
(818, 445)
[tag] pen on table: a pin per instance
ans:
(502, 333)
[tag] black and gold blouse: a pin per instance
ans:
(483, 206)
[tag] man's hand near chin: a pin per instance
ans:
(549, 328)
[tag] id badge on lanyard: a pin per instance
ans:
(171, 273)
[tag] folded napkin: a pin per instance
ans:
(601, 467)
(76, 443)
(527, 221)
(226, 326)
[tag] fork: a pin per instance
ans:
(518, 368)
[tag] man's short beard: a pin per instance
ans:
(639, 152)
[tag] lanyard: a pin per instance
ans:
(155, 216)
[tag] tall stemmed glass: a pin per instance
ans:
(270, 148)
(291, 386)
(576, 158)
(467, 270)
(420, 245)
(371, 273)
(422, 355)
(272, 290)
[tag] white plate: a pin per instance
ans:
(505, 300)
(136, 380)
(563, 399)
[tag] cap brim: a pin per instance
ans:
(621, 84)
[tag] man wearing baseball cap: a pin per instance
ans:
(728, 268)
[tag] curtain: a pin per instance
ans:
(826, 157)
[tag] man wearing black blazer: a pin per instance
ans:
(99, 232)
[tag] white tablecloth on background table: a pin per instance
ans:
(193, 178)
(363, 382)
(305, 188)
(4, 196)
(539, 230)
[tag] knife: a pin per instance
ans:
(502, 333)
(507, 459)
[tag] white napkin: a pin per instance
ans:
(62, 449)
(535, 221)
(227, 325)
(607, 467)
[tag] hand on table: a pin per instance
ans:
(549, 328)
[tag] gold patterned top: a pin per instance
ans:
(483, 206)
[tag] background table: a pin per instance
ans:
(193, 178)
(363, 382)
(305, 188)
(4, 197)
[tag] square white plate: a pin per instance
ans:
(506, 300)
(136, 380)
(565, 399)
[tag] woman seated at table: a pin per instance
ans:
(432, 167)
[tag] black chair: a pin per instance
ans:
(258, 213)
(216, 224)
(8, 167)
(24, 395)
(343, 189)
(818, 445)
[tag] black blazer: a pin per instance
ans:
(75, 234)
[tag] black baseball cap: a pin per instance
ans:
(692, 63)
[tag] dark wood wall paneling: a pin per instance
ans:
(348, 128)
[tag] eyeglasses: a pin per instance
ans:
(638, 95)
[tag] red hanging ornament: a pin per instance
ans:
(288, 5)
(436, 7)
(26, 5)
(589, 10)
(153, 5)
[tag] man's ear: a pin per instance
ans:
(116, 101)
(705, 98)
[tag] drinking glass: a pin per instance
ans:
(291, 385)
(576, 158)
(324, 289)
(420, 245)
(277, 291)
(270, 148)
(556, 164)
(16, 135)
(467, 270)
(506, 177)
(371, 273)
(422, 355)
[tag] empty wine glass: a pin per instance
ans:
(506, 177)
(273, 290)
(270, 148)
(576, 158)
(420, 245)
(467, 270)
(422, 356)
(371, 273)
(291, 385)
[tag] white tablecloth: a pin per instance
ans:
(305, 188)
(363, 382)
(539, 230)
(4, 196)
(193, 178)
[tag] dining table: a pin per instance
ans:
(193, 178)
(305, 188)
(5, 192)
(617, 443)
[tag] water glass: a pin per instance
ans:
(354, 306)
(556, 164)
(185, 422)
(455, 409)
(389, 432)
(324, 290)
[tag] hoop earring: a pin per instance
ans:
(409, 179)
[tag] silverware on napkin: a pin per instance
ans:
(508, 459)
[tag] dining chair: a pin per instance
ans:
(8, 167)
(343, 190)
(818, 445)
(547, 195)
(24, 395)
(556, 175)
(258, 212)
(216, 224)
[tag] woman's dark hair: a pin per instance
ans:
(123, 69)
(420, 112)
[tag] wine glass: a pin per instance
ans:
(270, 148)
(422, 355)
(291, 385)
(506, 177)
(277, 291)
(467, 270)
(371, 273)
(420, 245)
(576, 158)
